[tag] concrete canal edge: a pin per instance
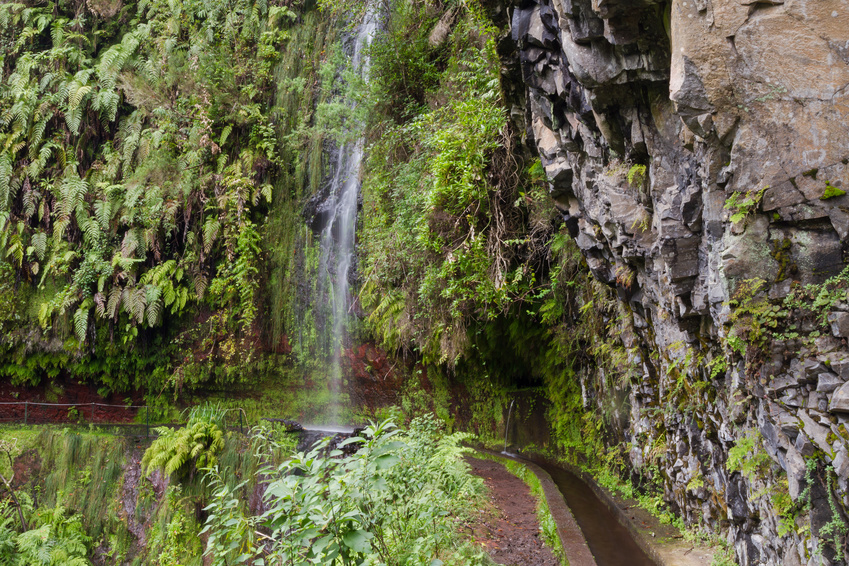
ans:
(662, 543)
(571, 537)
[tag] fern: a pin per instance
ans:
(179, 452)
(39, 244)
(103, 212)
(81, 320)
(146, 186)
(59, 541)
(115, 294)
(134, 303)
(5, 180)
(154, 304)
(211, 228)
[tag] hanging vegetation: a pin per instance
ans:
(138, 154)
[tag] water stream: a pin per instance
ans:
(337, 247)
(610, 542)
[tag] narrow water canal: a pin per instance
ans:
(609, 541)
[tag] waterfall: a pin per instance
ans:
(507, 426)
(336, 256)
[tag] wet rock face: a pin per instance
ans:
(693, 146)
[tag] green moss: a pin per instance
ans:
(781, 254)
(831, 192)
(742, 204)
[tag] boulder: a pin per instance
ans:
(839, 323)
(840, 400)
(828, 382)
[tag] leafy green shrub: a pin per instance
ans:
(392, 502)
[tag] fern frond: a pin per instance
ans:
(211, 228)
(81, 322)
(39, 244)
(200, 283)
(114, 302)
(5, 181)
(103, 212)
(100, 305)
(137, 304)
(154, 304)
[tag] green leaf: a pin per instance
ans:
(358, 540)
(386, 461)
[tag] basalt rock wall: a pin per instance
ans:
(698, 152)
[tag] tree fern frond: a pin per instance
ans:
(103, 213)
(200, 283)
(137, 304)
(100, 305)
(59, 227)
(130, 243)
(36, 136)
(5, 180)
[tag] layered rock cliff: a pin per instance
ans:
(698, 152)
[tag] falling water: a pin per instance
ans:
(337, 237)
(507, 426)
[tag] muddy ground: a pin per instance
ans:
(511, 534)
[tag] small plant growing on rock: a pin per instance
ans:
(742, 205)
(637, 175)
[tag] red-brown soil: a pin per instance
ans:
(511, 536)
(83, 404)
(374, 381)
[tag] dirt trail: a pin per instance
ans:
(512, 536)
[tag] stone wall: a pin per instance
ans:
(695, 148)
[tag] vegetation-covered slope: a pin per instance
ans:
(141, 147)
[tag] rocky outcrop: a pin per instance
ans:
(698, 151)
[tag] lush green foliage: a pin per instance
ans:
(54, 539)
(125, 184)
(392, 502)
(141, 147)
(742, 205)
(446, 234)
(757, 320)
(180, 452)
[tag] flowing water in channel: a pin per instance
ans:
(337, 250)
(609, 541)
